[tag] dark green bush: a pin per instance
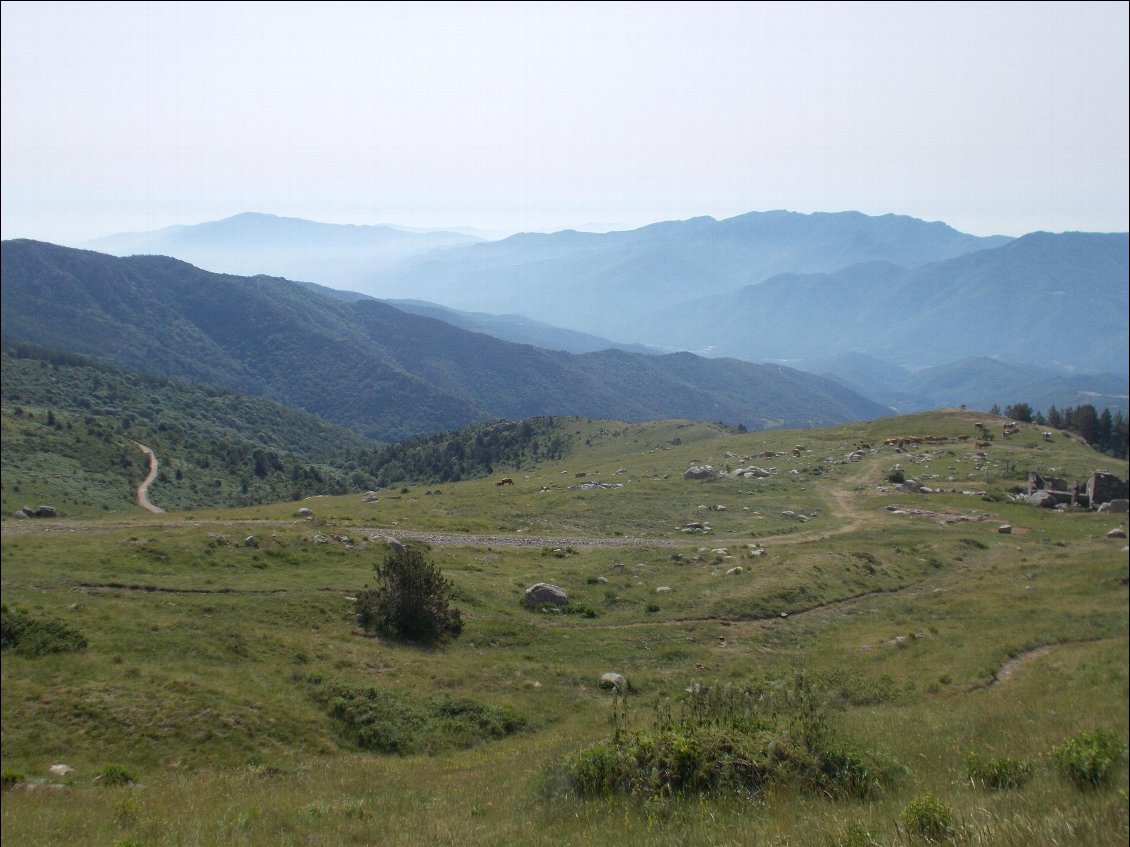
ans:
(412, 600)
(928, 817)
(36, 636)
(1090, 759)
(997, 773)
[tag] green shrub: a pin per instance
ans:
(928, 817)
(728, 740)
(390, 721)
(896, 476)
(412, 600)
(115, 775)
(856, 835)
(1089, 759)
(37, 636)
(997, 773)
(10, 777)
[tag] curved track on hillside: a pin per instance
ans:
(143, 489)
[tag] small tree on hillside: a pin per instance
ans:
(411, 600)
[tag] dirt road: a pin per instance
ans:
(143, 489)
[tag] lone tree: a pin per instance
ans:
(411, 600)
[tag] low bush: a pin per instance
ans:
(390, 721)
(997, 773)
(36, 636)
(9, 778)
(928, 817)
(728, 741)
(1090, 759)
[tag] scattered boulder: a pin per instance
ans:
(395, 545)
(1042, 499)
(614, 681)
(1118, 507)
(370, 497)
(251, 541)
(60, 770)
(543, 593)
(700, 472)
(305, 513)
(38, 512)
(1005, 529)
(735, 571)
(1117, 532)
(663, 589)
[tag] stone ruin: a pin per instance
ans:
(1100, 488)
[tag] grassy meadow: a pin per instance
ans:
(221, 696)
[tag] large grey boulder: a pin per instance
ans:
(1042, 499)
(543, 593)
(700, 472)
(613, 680)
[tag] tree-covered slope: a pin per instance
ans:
(364, 364)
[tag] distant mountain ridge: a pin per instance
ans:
(1043, 298)
(979, 383)
(364, 364)
(253, 243)
(596, 282)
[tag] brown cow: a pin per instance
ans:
(505, 481)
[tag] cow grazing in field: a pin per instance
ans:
(980, 445)
(504, 481)
(963, 438)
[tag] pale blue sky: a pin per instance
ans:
(996, 118)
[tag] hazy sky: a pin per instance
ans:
(996, 118)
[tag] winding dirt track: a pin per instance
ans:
(143, 489)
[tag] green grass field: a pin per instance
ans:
(214, 671)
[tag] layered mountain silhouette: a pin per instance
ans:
(616, 284)
(253, 243)
(364, 364)
(979, 383)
